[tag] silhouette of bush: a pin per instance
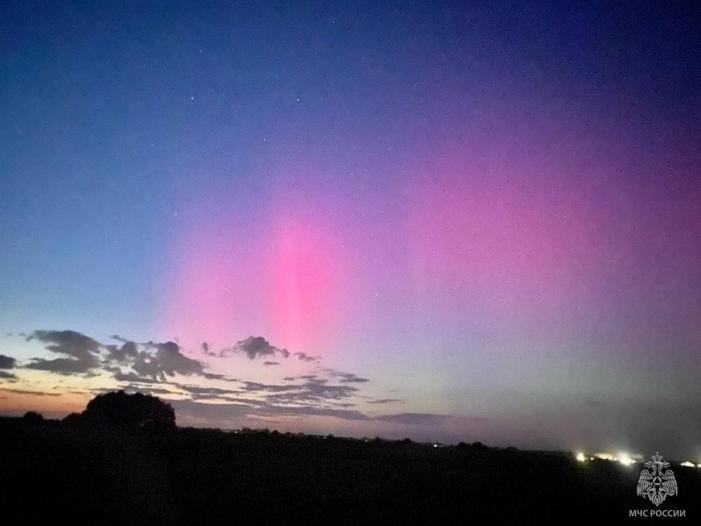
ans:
(32, 417)
(72, 419)
(120, 409)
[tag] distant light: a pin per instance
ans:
(580, 456)
(591, 458)
(624, 458)
(688, 464)
(604, 456)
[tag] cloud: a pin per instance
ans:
(80, 349)
(153, 367)
(122, 353)
(386, 401)
(167, 360)
(347, 414)
(255, 347)
(301, 377)
(312, 391)
(128, 362)
(260, 387)
(225, 414)
(216, 376)
(70, 343)
(209, 393)
(346, 378)
(65, 366)
(306, 358)
(141, 388)
(236, 414)
(26, 392)
(7, 362)
(206, 349)
(132, 377)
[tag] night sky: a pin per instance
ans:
(440, 221)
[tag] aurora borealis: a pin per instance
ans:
(443, 221)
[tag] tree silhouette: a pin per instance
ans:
(72, 419)
(32, 417)
(130, 410)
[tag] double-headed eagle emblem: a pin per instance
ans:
(656, 480)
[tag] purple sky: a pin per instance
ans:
(448, 223)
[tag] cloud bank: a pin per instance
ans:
(189, 380)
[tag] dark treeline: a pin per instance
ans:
(86, 473)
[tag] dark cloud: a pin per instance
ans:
(7, 362)
(225, 414)
(345, 377)
(350, 378)
(167, 360)
(215, 376)
(144, 389)
(306, 358)
(132, 377)
(80, 349)
(302, 377)
(206, 349)
(66, 366)
(199, 392)
(128, 362)
(254, 387)
(151, 368)
(386, 401)
(312, 391)
(70, 343)
(132, 387)
(255, 347)
(122, 353)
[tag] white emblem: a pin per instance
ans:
(656, 480)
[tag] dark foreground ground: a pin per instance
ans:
(52, 471)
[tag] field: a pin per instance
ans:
(83, 474)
